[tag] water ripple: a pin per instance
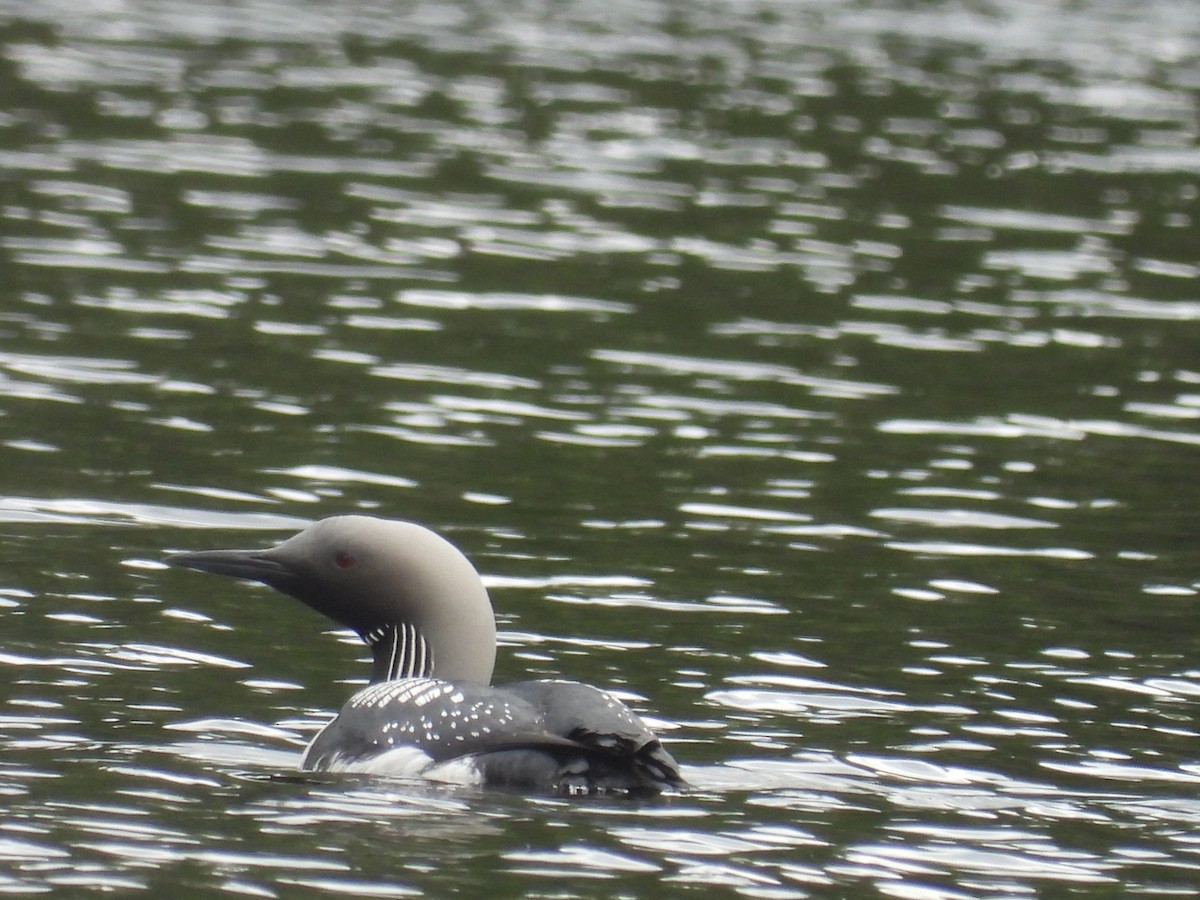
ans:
(741, 370)
(959, 518)
(81, 511)
(509, 302)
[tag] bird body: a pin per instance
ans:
(430, 710)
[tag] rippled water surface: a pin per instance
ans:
(822, 377)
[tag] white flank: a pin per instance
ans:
(410, 762)
(406, 762)
(461, 771)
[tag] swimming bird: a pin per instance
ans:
(429, 709)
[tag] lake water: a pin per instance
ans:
(824, 378)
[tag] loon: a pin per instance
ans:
(429, 709)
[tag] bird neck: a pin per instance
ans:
(399, 651)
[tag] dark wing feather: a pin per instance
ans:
(618, 750)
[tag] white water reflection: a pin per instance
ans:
(959, 518)
(742, 370)
(82, 511)
(1021, 426)
(510, 302)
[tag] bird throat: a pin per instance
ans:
(399, 651)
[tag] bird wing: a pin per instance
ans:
(444, 720)
(617, 744)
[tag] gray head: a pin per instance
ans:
(409, 593)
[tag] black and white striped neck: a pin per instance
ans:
(399, 651)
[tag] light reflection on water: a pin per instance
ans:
(818, 377)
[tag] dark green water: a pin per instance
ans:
(822, 377)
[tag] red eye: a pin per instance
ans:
(344, 560)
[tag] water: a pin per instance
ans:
(819, 376)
